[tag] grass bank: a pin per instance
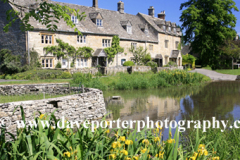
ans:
(36, 81)
(137, 80)
(225, 71)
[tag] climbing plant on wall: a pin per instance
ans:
(115, 48)
(65, 50)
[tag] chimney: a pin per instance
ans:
(121, 7)
(151, 11)
(162, 15)
(95, 3)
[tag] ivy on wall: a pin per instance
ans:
(115, 48)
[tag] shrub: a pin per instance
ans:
(65, 75)
(128, 63)
(151, 64)
(9, 63)
(146, 58)
(59, 65)
(8, 77)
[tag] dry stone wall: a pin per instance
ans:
(59, 88)
(88, 105)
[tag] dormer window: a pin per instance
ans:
(144, 28)
(129, 29)
(74, 19)
(169, 29)
(99, 22)
(96, 18)
(164, 28)
(174, 30)
(127, 26)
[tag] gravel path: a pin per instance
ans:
(215, 75)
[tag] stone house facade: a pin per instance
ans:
(159, 36)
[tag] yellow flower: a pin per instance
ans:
(114, 144)
(145, 141)
(41, 116)
(192, 158)
(201, 146)
(161, 154)
(68, 154)
(171, 141)
(144, 150)
(112, 156)
(203, 152)
(156, 139)
(124, 152)
(127, 158)
(107, 131)
(156, 155)
(122, 138)
(70, 148)
(128, 142)
(135, 157)
(215, 158)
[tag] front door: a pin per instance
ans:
(102, 61)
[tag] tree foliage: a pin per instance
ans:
(139, 54)
(48, 14)
(232, 48)
(65, 50)
(9, 63)
(208, 23)
(115, 48)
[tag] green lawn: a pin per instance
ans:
(225, 71)
(37, 82)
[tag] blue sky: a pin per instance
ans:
(171, 7)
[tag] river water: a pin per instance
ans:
(215, 99)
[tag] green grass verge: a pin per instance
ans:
(225, 71)
(36, 81)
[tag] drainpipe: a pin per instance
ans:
(28, 48)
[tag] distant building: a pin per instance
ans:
(159, 36)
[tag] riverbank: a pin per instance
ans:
(139, 80)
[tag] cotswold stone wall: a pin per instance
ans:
(60, 88)
(88, 105)
(141, 69)
(168, 68)
(84, 70)
(114, 70)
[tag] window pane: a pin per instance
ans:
(84, 40)
(85, 60)
(43, 64)
(78, 39)
(42, 38)
(46, 40)
(50, 39)
(50, 62)
(46, 62)
(81, 62)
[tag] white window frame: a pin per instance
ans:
(174, 30)
(164, 28)
(46, 39)
(169, 29)
(129, 29)
(106, 43)
(99, 22)
(134, 45)
(81, 39)
(122, 62)
(47, 62)
(66, 63)
(166, 43)
(74, 19)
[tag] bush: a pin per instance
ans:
(39, 74)
(146, 58)
(128, 63)
(66, 75)
(171, 64)
(8, 77)
(151, 64)
(59, 65)
(9, 63)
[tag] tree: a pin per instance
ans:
(208, 23)
(138, 54)
(114, 49)
(49, 14)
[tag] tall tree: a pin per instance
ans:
(208, 24)
(49, 14)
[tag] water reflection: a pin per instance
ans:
(216, 99)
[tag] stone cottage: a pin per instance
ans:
(159, 36)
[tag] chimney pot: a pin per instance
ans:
(162, 15)
(121, 7)
(95, 3)
(151, 11)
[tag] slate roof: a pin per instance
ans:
(100, 53)
(112, 23)
(175, 54)
(186, 50)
